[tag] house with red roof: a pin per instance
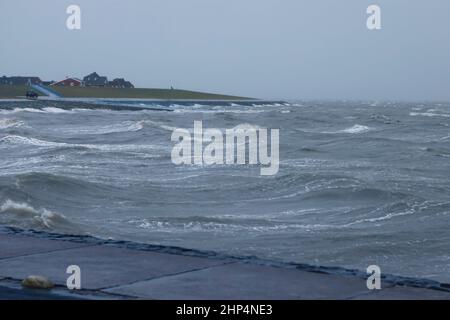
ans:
(69, 82)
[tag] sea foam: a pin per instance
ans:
(20, 140)
(10, 123)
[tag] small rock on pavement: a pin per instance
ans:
(37, 282)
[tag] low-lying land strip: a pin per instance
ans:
(10, 92)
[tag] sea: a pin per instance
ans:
(359, 183)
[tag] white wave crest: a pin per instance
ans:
(357, 128)
(36, 110)
(24, 215)
(30, 141)
(429, 114)
(18, 110)
(249, 111)
(157, 124)
(56, 110)
(10, 123)
(12, 139)
(126, 126)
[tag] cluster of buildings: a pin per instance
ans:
(91, 80)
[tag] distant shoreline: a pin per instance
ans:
(117, 104)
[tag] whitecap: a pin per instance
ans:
(429, 114)
(12, 139)
(24, 215)
(18, 110)
(160, 125)
(357, 128)
(248, 111)
(126, 126)
(10, 123)
(56, 110)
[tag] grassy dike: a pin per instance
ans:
(10, 92)
(163, 94)
(13, 92)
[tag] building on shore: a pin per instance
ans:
(91, 80)
(69, 82)
(20, 81)
(95, 80)
(120, 83)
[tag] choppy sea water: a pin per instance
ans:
(359, 183)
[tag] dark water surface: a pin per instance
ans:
(359, 183)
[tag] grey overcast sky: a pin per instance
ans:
(275, 49)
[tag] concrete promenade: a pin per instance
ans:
(124, 271)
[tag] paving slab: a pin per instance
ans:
(12, 245)
(246, 282)
(405, 293)
(102, 266)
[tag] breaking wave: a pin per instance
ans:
(20, 140)
(50, 110)
(126, 126)
(18, 110)
(10, 123)
(56, 110)
(23, 215)
(157, 124)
